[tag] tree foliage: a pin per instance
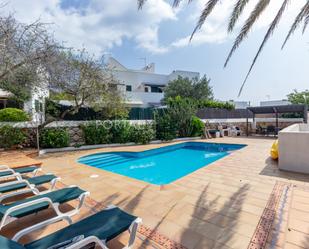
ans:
(20, 83)
(11, 136)
(197, 89)
(181, 111)
(80, 78)
(239, 6)
(22, 45)
(299, 97)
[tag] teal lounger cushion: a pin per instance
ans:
(37, 180)
(106, 225)
(6, 243)
(12, 187)
(22, 170)
(57, 196)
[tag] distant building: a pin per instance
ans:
(275, 102)
(240, 104)
(144, 87)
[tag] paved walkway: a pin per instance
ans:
(239, 201)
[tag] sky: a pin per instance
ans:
(161, 34)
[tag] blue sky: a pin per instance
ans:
(160, 33)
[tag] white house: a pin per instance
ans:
(144, 87)
(35, 106)
(275, 102)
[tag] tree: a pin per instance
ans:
(197, 89)
(24, 46)
(261, 5)
(299, 97)
(20, 83)
(81, 78)
(181, 111)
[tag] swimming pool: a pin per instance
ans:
(162, 165)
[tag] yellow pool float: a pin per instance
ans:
(274, 150)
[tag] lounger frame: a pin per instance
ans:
(15, 174)
(86, 241)
(6, 219)
(29, 188)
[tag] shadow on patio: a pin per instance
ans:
(271, 169)
(215, 226)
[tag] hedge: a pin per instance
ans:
(13, 115)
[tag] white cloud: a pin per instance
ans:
(215, 28)
(99, 25)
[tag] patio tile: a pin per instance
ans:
(297, 238)
(187, 238)
(217, 206)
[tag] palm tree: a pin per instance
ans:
(301, 18)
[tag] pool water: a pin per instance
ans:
(163, 165)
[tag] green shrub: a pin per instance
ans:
(121, 131)
(142, 134)
(181, 111)
(54, 138)
(166, 128)
(96, 134)
(13, 115)
(215, 104)
(10, 136)
(197, 127)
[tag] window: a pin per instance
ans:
(128, 88)
(146, 89)
(37, 105)
(155, 89)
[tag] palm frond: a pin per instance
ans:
(177, 2)
(237, 11)
(306, 22)
(205, 13)
(269, 32)
(299, 18)
(140, 3)
(258, 10)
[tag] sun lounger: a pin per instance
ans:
(12, 211)
(96, 229)
(6, 171)
(28, 185)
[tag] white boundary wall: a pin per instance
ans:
(294, 148)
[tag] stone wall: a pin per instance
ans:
(76, 136)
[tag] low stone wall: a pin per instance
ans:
(76, 136)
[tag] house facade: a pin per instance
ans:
(144, 87)
(34, 106)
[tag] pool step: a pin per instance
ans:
(102, 157)
(104, 165)
(107, 161)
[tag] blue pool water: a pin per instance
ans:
(163, 165)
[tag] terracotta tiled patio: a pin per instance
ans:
(240, 201)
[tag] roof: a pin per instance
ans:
(154, 84)
(5, 94)
(277, 109)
